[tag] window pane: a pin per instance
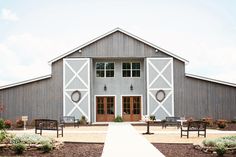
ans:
(99, 73)
(126, 73)
(109, 73)
(110, 105)
(135, 73)
(109, 65)
(135, 65)
(126, 66)
(100, 65)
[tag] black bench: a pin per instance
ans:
(48, 124)
(171, 121)
(198, 126)
(69, 120)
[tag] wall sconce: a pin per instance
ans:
(131, 87)
(105, 87)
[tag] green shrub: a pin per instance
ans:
(46, 147)
(152, 117)
(83, 120)
(209, 142)
(3, 135)
(30, 139)
(118, 119)
(2, 125)
(220, 149)
(19, 148)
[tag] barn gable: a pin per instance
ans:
(118, 43)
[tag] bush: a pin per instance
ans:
(46, 147)
(8, 123)
(19, 148)
(220, 149)
(19, 123)
(83, 120)
(221, 123)
(3, 135)
(2, 125)
(152, 117)
(209, 121)
(209, 142)
(118, 119)
(30, 139)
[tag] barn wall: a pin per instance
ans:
(204, 98)
(39, 99)
(118, 45)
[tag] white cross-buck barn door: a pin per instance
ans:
(160, 87)
(76, 87)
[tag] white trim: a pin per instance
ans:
(210, 80)
(87, 90)
(110, 32)
(95, 105)
(169, 63)
(26, 81)
(131, 95)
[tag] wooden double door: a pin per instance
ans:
(105, 110)
(131, 108)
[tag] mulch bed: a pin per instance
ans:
(95, 150)
(183, 150)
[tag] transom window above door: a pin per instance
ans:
(104, 69)
(130, 69)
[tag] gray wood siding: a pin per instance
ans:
(204, 98)
(39, 99)
(118, 45)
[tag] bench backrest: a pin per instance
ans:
(197, 125)
(172, 119)
(46, 124)
(67, 119)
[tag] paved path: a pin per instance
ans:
(123, 140)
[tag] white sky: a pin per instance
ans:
(34, 32)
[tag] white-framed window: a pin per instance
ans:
(104, 69)
(131, 69)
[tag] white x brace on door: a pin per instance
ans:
(160, 87)
(76, 78)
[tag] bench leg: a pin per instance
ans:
(187, 134)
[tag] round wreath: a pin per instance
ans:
(75, 96)
(160, 95)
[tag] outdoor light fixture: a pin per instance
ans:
(105, 87)
(80, 51)
(131, 87)
(156, 50)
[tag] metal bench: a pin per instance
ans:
(171, 121)
(198, 126)
(69, 120)
(48, 124)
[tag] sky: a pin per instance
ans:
(35, 32)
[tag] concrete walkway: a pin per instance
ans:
(123, 140)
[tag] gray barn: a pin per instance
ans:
(115, 74)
